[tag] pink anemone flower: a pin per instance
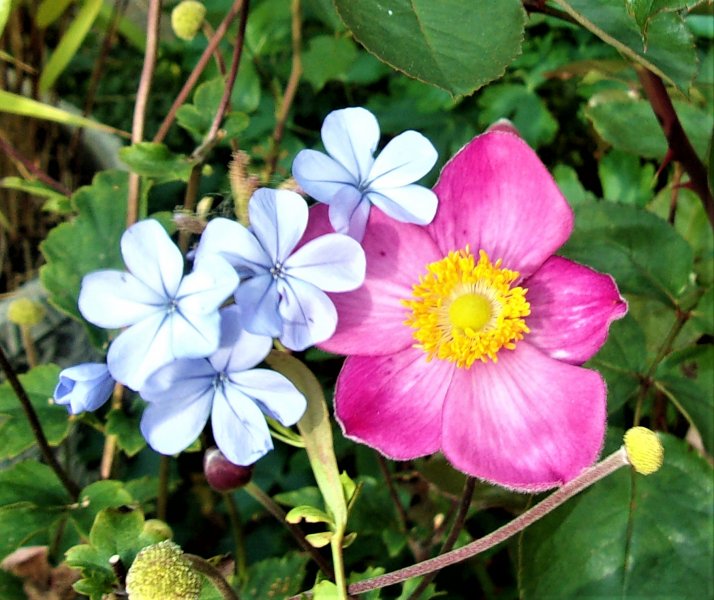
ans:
(467, 335)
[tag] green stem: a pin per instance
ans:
(162, 498)
(237, 529)
(36, 426)
(206, 569)
(338, 562)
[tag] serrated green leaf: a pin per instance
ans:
(274, 578)
(88, 243)
(457, 45)
(621, 361)
(126, 428)
(627, 242)
(631, 126)
(668, 50)
(94, 498)
(327, 58)
(155, 160)
(32, 500)
(70, 43)
(628, 536)
(15, 431)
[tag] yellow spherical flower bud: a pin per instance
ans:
(187, 18)
(25, 311)
(644, 450)
(161, 572)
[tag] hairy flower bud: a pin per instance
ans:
(221, 474)
(187, 18)
(644, 450)
(161, 572)
(25, 311)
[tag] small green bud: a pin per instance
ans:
(161, 572)
(187, 18)
(156, 529)
(25, 311)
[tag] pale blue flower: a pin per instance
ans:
(225, 386)
(166, 315)
(350, 179)
(84, 387)
(282, 290)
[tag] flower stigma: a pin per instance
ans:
(277, 270)
(463, 310)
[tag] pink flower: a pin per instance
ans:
(467, 335)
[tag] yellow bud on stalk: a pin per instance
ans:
(25, 311)
(644, 450)
(161, 572)
(187, 18)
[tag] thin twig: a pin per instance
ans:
(36, 426)
(111, 441)
(269, 504)
(213, 574)
(290, 89)
(197, 70)
(33, 169)
(679, 144)
(456, 527)
(401, 513)
(142, 98)
(238, 539)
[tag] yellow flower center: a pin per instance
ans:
(464, 311)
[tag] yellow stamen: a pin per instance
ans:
(644, 450)
(464, 311)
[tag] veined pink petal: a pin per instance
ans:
(497, 195)
(371, 318)
(572, 307)
(393, 403)
(527, 422)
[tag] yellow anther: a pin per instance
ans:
(644, 450)
(161, 572)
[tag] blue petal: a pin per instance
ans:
(258, 300)
(239, 427)
(321, 176)
(350, 136)
(275, 394)
(349, 213)
(404, 160)
(278, 218)
(239, 350)
(84, 387)
(309, 317)
(409, 204)
(234, 243)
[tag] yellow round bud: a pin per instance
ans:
(187, 18)
(25, 311)
(156, 529)
(644, 450)
(161, 572)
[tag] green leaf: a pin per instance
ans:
(155, 160)
(621, 361)
(625, 180)
(627, 242)
(457, 45)
(197, 118)
(631, 126)
(126, 428)
(19, 105)
(94, 498)
(668, 51)
(628, 536)
(569, 183)
(521, 105)
(88, 243)
(369, 573)
(309, 513)
(50, 10)
(15, 430)
(316, 430)
(5, 6)
(70, 42)
(327, 58)
(644, 10)
(56, 202)
(11, 587)
(321, 539)
(32, 500)
(274, 578)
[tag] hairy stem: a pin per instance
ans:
(142, 98)
(36, 426)
(206, 569)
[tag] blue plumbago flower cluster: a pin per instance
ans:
(188, 353)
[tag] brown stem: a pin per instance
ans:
(401, 513)
(33, 169)
(290, 90)
(36, 426)
(202, 566)
(111, 441)
(142, 98)
(209, 32)
(679, 144)
(456, 527)
(539, 6)
(197, 70)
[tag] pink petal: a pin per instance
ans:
(371, 318)
(496, 195)
(572, 307)
(527, 422)
(393, 403)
